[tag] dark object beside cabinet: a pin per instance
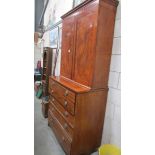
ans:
(45, 105)
(78, 97)
(47, 67)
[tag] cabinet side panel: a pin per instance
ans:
(89, 118)
(106, 21)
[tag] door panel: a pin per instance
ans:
(85, 46)
(67, 46)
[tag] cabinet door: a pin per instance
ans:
(85, 45)
(67, 46)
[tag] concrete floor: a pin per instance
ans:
(45, 142)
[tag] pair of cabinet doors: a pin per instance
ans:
(78, 44)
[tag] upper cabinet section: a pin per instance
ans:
(87, 37)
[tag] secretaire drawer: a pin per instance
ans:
(60, 92)
(62, 121)
(59, 132)
(69, 106)
(64, 113)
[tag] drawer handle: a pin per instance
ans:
(65, 125)
(66, 113)
(65, 104)
(52, 99)
(66, 93)
(52, 91)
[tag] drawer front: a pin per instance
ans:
(61, 93)
(62, 121)
(69, 106)
(59, 132)
(64, 113)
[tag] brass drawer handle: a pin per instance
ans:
(52, 99)
(66, 93)
(52, 91)
(66, 113)
(65, 103)
(65, 125)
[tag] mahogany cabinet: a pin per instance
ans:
(78, 96)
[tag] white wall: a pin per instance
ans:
(112, 125)
(37, 54)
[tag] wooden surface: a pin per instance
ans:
(88, 36)
(69, 106)
(90, 111)
(72, 85)
(78, 96)
(60, 92)
(85, 44)
(59, 115)
(67, 47)
(111, 2)
(64, 113)
(45, 109)
(104, 42)
(47, 66)
(59, 132)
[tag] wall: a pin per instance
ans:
(112, 125)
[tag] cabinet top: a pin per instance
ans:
(111, 2)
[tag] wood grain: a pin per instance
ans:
(88, 33)
(89, 118)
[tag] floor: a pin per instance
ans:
(45, 142)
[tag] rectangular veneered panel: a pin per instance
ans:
(85, 45)
(68, 31)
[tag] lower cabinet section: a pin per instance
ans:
(79, 133)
